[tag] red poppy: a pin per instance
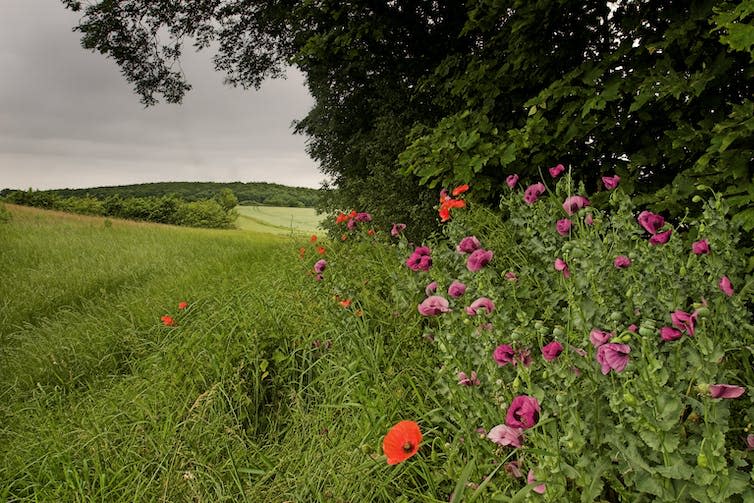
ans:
(460, 189)
(182, 305)
(343, 237)
(168, 321)
(370, 232)
(321, 250)
(340, 218)
(313, 238)
(301, 252)
(401, 442)
(345, 303)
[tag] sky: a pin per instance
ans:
(68, 119)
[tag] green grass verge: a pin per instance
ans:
(278, 220)
(99, 401)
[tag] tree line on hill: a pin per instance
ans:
(248, 194)
(414, 95)
(216, 212)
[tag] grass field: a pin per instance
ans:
(278, 220)
(235, 402)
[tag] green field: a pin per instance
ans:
(278, 220)
(236, 402)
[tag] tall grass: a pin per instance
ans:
(242, 400)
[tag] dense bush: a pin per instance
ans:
(580, 340)
(168, 209)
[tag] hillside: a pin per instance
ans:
(252, 193)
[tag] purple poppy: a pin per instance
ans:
(456, 289)
(480, 303)
(660, 238)
(532, 192)
(530, 479)
(434, 305)
(320, 265)
(599, 337)
(431, 288)
(397, 229)
(504, 354)
(700, 247)
(478, 259)
(574, 203)
(611, 181)
(465, 380)
(420, 259)
(725, 391)
(363, 217)
(502, 434)
(351, 225)
(621, 262)
(684, 321)
(555, 171)
(511, 181)
(552, 350)
(563, 226)
(670, 334)
(613, 356)
(523, 412)
(560, 265)
(468, 244)
(651, 222)
(726, 286)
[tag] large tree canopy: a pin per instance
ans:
(411, 95)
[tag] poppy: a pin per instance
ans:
(321, 250)
(301, 252)
(345, 303)
(168, 321)
(460, 189)
(401, 442)
(313, 238)
(182, 305)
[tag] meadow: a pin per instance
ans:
(278, 220)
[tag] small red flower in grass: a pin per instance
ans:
(346, 303)
(313, 238)
(168, 321)
(321, 250)
(301, 252)
(460, 190)
(182, 305)
(401, 442)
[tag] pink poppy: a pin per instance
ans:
(456, 289)
(513, 469)
(574, 203)
(397, 229)
(632, 328)
(431, 288)
(478, 259)
(684, 321)
(555, 171)
(363, 217)
(502, 434)
(468, 245)
(523, 412)
(725, 286)
(750, 442)
(480, 303)
(589, 219)
(725, 391)
(560, 265)
(320, 265)
(563, 226)
(511, 276)
(670, 334)
(511, 181)
(651, 222)
(420, 259)
(660, 238)
(621, 262)
(613, 356)
(465, 380)
(599, 337)
(504, 354)
(552, 350)
(530, 479)
(532, 192)
(700, 247)
(434, 305)
(611, 181)
(319, 277)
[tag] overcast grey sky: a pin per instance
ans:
(69, 119)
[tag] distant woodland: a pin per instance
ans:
(193, 204)
(248, 194)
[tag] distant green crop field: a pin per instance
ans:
(278, 220)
